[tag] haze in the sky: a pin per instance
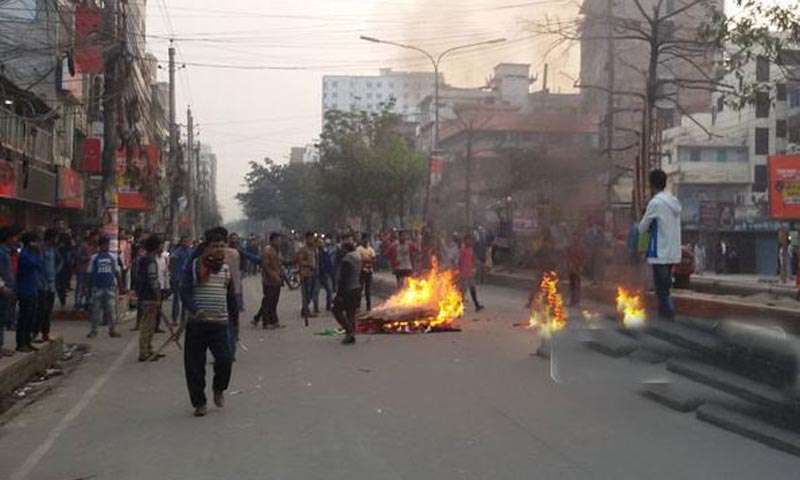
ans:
(254, 68)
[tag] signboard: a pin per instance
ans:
(70, 189)
(36, 185)
(88, 42)
(8, 179)
(784, 187)
(437, 165)
(92, 156)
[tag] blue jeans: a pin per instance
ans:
(662, 279)
(104, 304)
(177, 306)
(307, 292)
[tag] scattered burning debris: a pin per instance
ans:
(631, 307)
(429, 303)
(548, 314)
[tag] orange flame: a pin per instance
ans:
(436, 291)
(630, 306)
(547, 309)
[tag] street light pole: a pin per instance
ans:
(435, 61)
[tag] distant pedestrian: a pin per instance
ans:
(662, 220)
(307, 264)
(402, 256)
(178, 259)
(466, 270)
(105, 278)
(367, 254)
(271, 283)
(148, 292)
(784, 257)
(29, 272)
(576, 259)
(8, 290)
(210, 299)
(348, 293)
(64, 274)
(86, 249)
(47, 286)
(327, 270)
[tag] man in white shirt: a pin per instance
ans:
(662, 220)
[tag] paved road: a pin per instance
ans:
(469, 405)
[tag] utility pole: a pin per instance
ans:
(198, 203)
(112, 85)
(173, 143)
(190, 192)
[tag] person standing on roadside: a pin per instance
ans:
(402, 256)
(64, 275)
(209, 299)
(29, 273)
(367, 254)
(662, 220)
(271, 283)
(104, 280)
(307, 264)
(178, 260)
(47, 286)
(348, 293)
(148, 292)
(327, 271)
(466, 270)
(86, 249)
(8, 293)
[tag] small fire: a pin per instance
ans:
(436, 291)
(547, 309)
(630, 306)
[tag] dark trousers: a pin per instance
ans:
(202, 336)
(326, 282)
(662, 280)
(269, 304)
(366, 286)
(26, 320)
(307, 292)
(44, 310)
(574, 289)
(233, 332)
(344, 309)
(62, 285)
(400, 276)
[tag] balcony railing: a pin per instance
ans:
(24, 137)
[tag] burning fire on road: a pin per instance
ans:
(428, 303)
(548, 314)
(631, 307)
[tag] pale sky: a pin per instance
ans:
(248, 112)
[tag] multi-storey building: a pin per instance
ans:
(371, 93)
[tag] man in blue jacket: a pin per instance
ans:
(29, 272)
(177, 262)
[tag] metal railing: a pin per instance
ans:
(24, 137)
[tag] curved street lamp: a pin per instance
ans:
(436, 60)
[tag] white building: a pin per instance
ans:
(719, 170)
(371, 92)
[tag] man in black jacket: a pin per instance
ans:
(348, 293)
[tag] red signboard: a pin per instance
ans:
(92, 156)
(8, 180)
(784, 187)
(70, 189)
(134, 201)
(89, 47)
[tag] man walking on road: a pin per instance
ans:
(466, 270)
(271, 282)
(367, 254)
(104, 277)
(209, 298)
(29, 273)
(348, 293)
(148, 292)
(307, 264)
(663, 220)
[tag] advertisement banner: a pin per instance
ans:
(784, 187)
(8, 179)
(70, 189)
(88, 42)
(93, 156)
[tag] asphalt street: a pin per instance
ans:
(469, 405)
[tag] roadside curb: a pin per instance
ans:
(21, 367)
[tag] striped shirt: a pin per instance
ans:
(211, 297)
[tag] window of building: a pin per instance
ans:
(378, 84)
(762, 104)
(369, 84)
(694, 154)
(369, 96)
(391, 84)
(780, 92)
(720, 103)
(379, 96)
(794, 97)
(760, 182)
(762, 141)
(762, 69)
(722, 155)
(780, 129)
(334, 95)
(335, 83)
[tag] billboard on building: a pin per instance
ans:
(784, 187)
